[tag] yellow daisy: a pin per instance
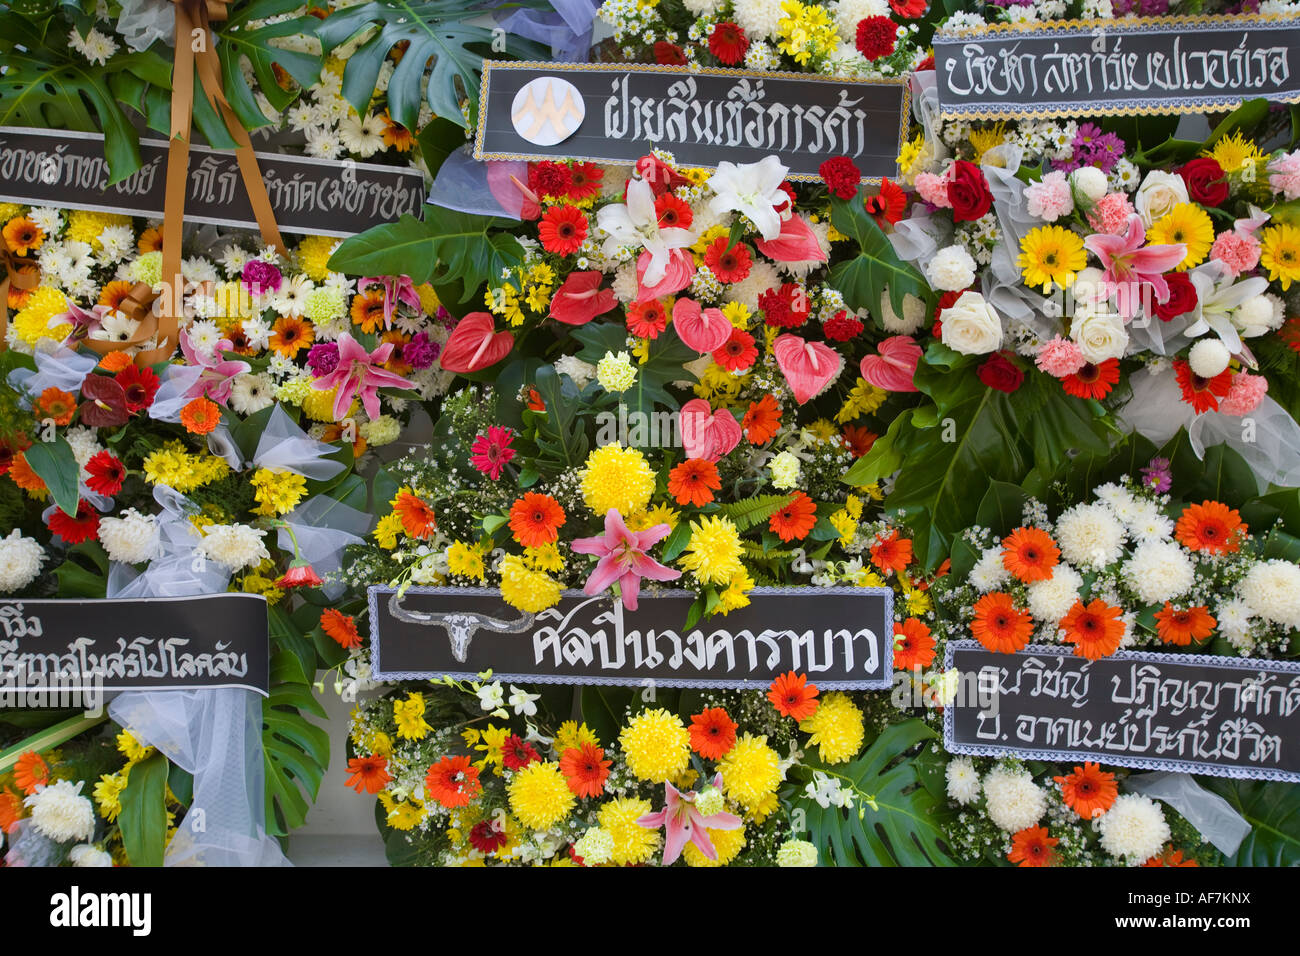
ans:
(1280, 253)
(1189, 224)
(1051, 255)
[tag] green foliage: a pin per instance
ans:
(560, 433)
(603, 709)
(892, 821)
(663, 364)
(296, 752)
(1273, 812)
(143, 820)
(876, 267)
(237, 41)
(444, 247)
(748, 512)
(57, 466)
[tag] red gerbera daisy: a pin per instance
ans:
(368, 774)
(562, 229)
(728, 264)
(535, 519)
(74, 530)
(140, 386)
(794, 521)
(452, 781)
(913, 645)
(737, 353)
(517, 753)
(728, 43)
(1202, 394)
(1095, 629)
(585, 181)
(585, 769)
(1092, 381)
(488, 836)
(669, 54)
(1089, 791)
(888, 205)
(713, 733)
(859, 440)
(762, 420)
(647, 319)
(673, 213)
(793, 696)
(105, 473)
(892, 552)
(694, 481)
(340, 627)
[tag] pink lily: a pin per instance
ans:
(84, 321)
(359, 373)
(396, 289)
(683, 823)
(1129, 267)
(217, 379)
(623, 558)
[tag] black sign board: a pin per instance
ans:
(841, 637)
(1093, 67)
(1226, 716)
(314, 196)
(617, 114)
(211, 640)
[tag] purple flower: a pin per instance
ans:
(261, 277)
(443, 316)
(1153, 8)
(1157, 475)
(323, 358)
(418, 353)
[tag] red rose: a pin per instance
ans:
(841, 176)
(908, 9)
(669, 54)
(1001, 374)
(1182, 296)
(728, 43)
(968, 191)
(876, 36)
(1205, 182)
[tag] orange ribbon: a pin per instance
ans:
(19, 273)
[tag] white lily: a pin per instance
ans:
(1217, 295)
(753, 189)
(522, 701)
(637, 224)
(491, 696)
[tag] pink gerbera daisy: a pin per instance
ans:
(490, 452)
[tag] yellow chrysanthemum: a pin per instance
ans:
(659, 514)
(738, 314)
(409, 715)
(736, 594)
(572, 735)
(402, 815)
(428, 298)
(713, 553)
(540, 796)
(1280, 253)
(844, 524)
(1233, 152)
(464, 559)
(1189, 224)
(108, 795)
(318, 405)
(386, 530)
(171, 465)
(656, 744)
(492, 747)
(864, 399)
(1051, 256)
(526, 589)
(982, 140)
(277, 492)
(726, 843)
(912, 158)
(633, 843)
(917, 602)
(619, 478)
(314, 254)
(9, 210)
(836, 729)
(751, 771)
(132, 749)
(823, 430)
(32, 322)
(763, 809)
(805, 31)
(85, 225)
(547, 557)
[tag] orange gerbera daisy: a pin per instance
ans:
(24, 477)
(56, 405)
(341, 627)
(1210, 526)
(114, 362)
(1089, 791)
(150, 240)
(1183, 627)
(1033, 847)
(794, 521)
(368, 774)
(713, 733)
(368, 309)
(535, 519)
(913, 645)
(201, 416)
(793, 696)
(396, 135)
(762, 420)
(289, 336)
(892, 552)
(999, 625)
(1095, 629)
(452, 781)
(694, 481)
(585, 769)
(112, 295)
(1030, 554)
(336, 430)
(22, 235)
(11, 810)
(31, 771)
(858, 440)
(417, 517)
(1170, 857)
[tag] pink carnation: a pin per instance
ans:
(1245, 394)
(1060, 358)
(1111, 213)
(1284, 175)
(1238, 251)
(933, 189)
(1049, 199)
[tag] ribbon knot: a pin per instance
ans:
(19, 273)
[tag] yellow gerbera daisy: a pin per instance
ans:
(1051, 255)
(1280, 253)
(1189, 224)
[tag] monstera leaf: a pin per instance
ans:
(876, 267)
(444, 247)
(238, 40)
(444, 39)
(891, 822)
(1273, 812)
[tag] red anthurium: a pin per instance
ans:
(895, 366)
(796, 243)
(580, 299)
(702, 329)
(475, 344)
(705, 433)
(104, 402)
(808, 366)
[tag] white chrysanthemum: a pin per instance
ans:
(758, 18)
(625, 285)
(251, 393)
(20, 561)
(1147, 521)
(963, 781)
(1133, 829)
(847, 13)
(989, 573)
(1271, 589)
(1052, 599)
(131, 538)
(236, 546)
(1119, 498)
(914, 314)
(951, 269)
(1234, 618)
(1014, 800)
(762, 276)
(1159, 571)
(1090, 535)
(82, 441)
(60, 812)
(796, 853)
(87, 854)
(581, 372)
(703, 8)
(596, 846)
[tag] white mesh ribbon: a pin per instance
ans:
(286, 447)
(1268, 438)
(1212, 815)
(143, 22)
(174, 392)
(323, 527)
(175, 572)
(28, 846)
(63, 369)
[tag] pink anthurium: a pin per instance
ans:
(796, 243)
(808, 366)
(1128, 266)
(684, 823)
(475, 344)
(580, 299)
(359, 374)
(706, 433)
(894, 368)
(624, 558)
(702, 329)
(678, 273)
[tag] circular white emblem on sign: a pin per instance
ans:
(547, 110)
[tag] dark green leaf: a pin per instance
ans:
(143, 820)
(1273, 812)
(56, 465)
(876, 267)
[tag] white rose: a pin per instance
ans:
(1090, 181)
(1099, 335)
(951, 269)
(970, 325)
(1159, 193)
